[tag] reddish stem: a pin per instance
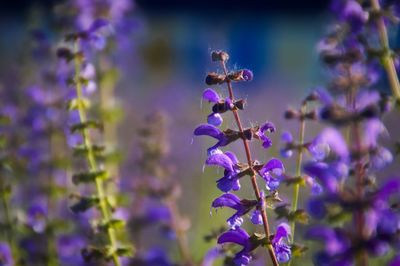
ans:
(253, 176)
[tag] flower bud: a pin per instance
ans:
(219, 56)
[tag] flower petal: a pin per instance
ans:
(274, 165)
(208, 130)
(227, 200)
(211, 95)
(237, 236)
(220, 159)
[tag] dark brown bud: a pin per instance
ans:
(215, 78)
(291, 114)
(248, 133)
(313, 96)
(65, 53)
(219, 56)
(312, 115)
(239, 104)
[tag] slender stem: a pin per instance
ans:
(180, 233)
(362, 258)
(10, 226)
(299, 160)
(105, 212)
(388, 62)
(253, 176)
(51, 247)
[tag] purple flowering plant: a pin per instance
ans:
(75, 190)
(235, 171)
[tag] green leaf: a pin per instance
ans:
(84, 204)
(294, 181)
(113, 223)
(86, 125)
(76, 103)
(300, 216)
(125, 251)
(298, 250)
(89, 177)
(82, 150)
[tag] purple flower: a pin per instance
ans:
(37, 217)
(267, 127)
(214, 132)
(220, 159)
(214, 119)
(271, 173)
(325, 173)
(5, 255)
(68, 248)
(395, 261)
(351, 12)
(247, 75)
(240, 237)
(287, 139)
(256, 217)
(279, 242)
(329, 140)
(211, 96)
(316, 208)
(234, 202)
(228, 161)
(211, 255)
(335, 241)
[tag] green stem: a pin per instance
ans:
(388, 62)
(299, 160)
(10, 226)
(296, 187)
(105, 212)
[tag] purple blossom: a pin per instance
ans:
(351, 12)
(287, 139)
(228, 161)
(325, 173)
(211, 96)
(335, 241)
(271, 172)
(234, 202)
(327, 142)
(280, 243)
(267, 127)
(240, 237)
(5, 255)
(247, 75)
(37, 217)
(256, 217)
(214, 132)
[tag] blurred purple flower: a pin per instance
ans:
(271, 172)
(279, 242)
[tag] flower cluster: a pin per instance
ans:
(360, 208)
(234, 170)
(155, 204)
(83, 130)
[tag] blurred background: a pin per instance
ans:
(163, 67)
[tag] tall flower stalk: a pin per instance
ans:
(250, 164)
(278, 248)
(92, 153)
(93, 167)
